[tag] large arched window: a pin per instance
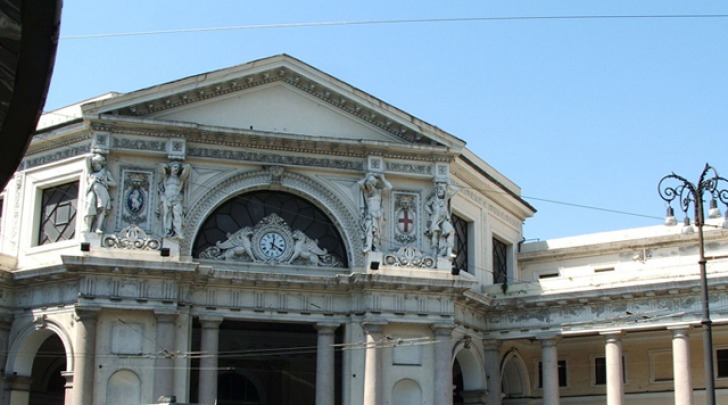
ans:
(250, 208)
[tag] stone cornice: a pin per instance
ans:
(390, 123)
(653, 290)
(616, 246)
(200, 136)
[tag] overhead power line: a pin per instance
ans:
(388, 22)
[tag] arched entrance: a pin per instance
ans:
(47, 385)
(468, 376)
(514, 378)
(37, 361)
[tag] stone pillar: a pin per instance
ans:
(68, 387)
(210, 340)
(164, 362)
(550, 370)
(325, 365)
(491, 349)
(613, 359)
(19, 387)
(5, 323)
(84, 356)
(374, 331)
(681, 365)
(443, 364)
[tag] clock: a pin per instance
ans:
(272, 244)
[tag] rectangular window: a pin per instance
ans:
(460, 247)
(562, 374)
(500, 262)
(722, 362)
(58, 213)
(600, 371)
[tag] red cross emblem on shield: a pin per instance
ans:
(406, 221)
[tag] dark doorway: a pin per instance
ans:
(48, 384)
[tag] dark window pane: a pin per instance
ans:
(500, 262)
(600, 371)
(461, 243)
(58, 213)
(562, 374)
(722, 357)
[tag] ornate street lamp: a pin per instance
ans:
(686, 194)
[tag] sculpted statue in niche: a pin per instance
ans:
(372, 187)
(175, 175)
(98, 197)
(439, 227)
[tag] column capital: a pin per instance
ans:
(685, 328)
(163, 316)
(327, 327)
(613, 335)
(547, 338)
(19, 382)
(442, 329)
(491, 344)
(374, 325)
(210, 321)
(87, 313)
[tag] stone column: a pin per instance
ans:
(613, 359)
(19, 387)
(550, 370)
(325, 365)
(491, 349)
(68, 387)
(681, 365)
(164, 362)
(443, 364)
(84, 356)
(210, 340)
(374, 331)
(5, 324)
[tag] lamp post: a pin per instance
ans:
(674, 187)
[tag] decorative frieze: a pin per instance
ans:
(410, 256)
(147, 145)
(57, 155)
(131, 237)
(275, 159)
(409, 168)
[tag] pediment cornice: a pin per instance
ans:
(220, 138)
(291, 72)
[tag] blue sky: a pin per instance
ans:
(580, 111)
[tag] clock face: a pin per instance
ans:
(272, 244)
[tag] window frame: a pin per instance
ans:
(468, 245)
(717, 362)
(37, 180)
(41, 220)
(563, 365)
(508, 261)
(593, 366)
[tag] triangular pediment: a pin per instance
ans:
(280, 95)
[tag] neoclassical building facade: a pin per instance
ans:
(268, 234)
